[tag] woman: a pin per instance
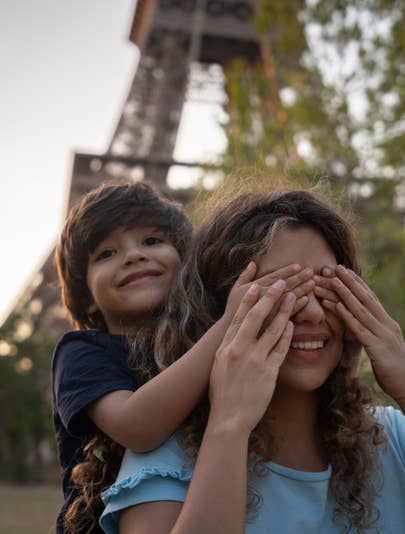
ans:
(288, 419)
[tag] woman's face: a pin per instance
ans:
(317, 342)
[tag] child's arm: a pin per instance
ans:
(143, 419)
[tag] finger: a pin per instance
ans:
(247, 274)
(304, 288)
(322, 281)
(299, 304)
(330, 305)
(274, 330)
(279, 352)
(363, 309)
(284, 273)
(326, 294)
(249, 299)
(328, 272)
(253, 319)
(359, 288)
(298, 279)
(363, 334)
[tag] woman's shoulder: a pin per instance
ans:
(167, 461)
(391, 418)
(393, 421)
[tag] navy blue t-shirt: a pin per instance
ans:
(87, 364)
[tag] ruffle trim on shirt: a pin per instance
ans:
(144, 474)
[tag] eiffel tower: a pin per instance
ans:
(183, 45)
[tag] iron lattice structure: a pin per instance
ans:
(182, 43)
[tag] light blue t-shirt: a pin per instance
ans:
(292, 501)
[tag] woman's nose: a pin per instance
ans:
(312, 312)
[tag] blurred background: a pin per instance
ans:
(192, 95)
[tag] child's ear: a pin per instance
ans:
(92, 308)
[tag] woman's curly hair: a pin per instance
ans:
(239, 232)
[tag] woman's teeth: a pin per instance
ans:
(308, 345)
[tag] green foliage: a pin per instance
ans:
(327, 100)
(25, 412)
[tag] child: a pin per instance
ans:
(289, 435)
(118, 256)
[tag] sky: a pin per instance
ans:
(66, 67)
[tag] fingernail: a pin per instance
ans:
(317, 278)
(327, 272)
(280, 284)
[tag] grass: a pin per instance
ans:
(29, 509)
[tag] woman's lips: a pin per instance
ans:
(308, 346)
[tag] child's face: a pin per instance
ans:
(129, 276)
(317, 342)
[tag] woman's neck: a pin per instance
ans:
(296, 438)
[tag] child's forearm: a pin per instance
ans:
(155, 410)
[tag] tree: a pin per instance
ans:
(25, 411)
(327, 101)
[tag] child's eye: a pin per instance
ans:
(152, 240)
(106, 253)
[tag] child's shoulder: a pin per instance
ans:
(91, 338)
(84, 344)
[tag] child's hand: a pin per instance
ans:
(298, 281)
(246, 364)
(377, 332)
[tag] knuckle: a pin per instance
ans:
(237, 320)
(230, 353)
(273, 330)
(254, 314)
(396, 328)
(363, 310)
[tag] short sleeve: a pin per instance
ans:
(161, 475)
(394, 425)
(84, 369)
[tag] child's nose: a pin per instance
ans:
(134, 254)
(312, 312)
